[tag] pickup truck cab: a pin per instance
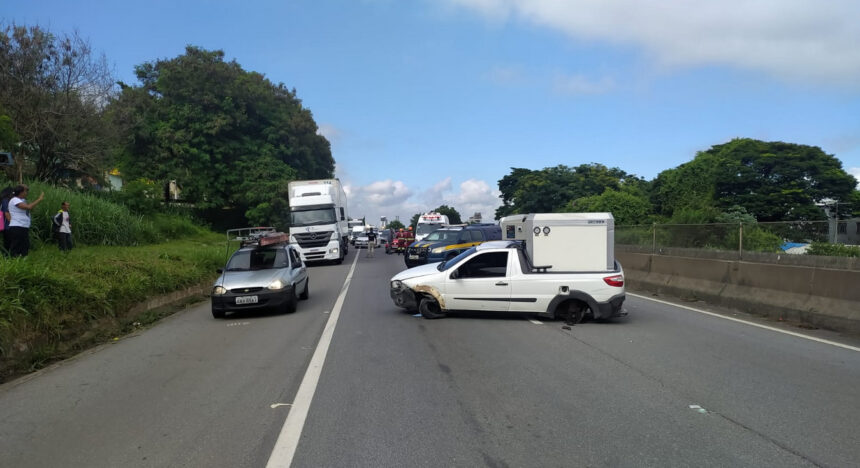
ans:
(498, 276)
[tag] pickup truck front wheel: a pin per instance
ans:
(430, 309)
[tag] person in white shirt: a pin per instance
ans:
(19, 226)
(63, 227)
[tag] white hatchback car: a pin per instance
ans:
(269, 277)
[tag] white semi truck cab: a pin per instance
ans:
(318, 219)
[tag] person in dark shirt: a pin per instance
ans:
(371, 241)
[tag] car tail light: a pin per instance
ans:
(616, 280)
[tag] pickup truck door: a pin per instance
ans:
(480, 283)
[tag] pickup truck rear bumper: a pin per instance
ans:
(612, 308)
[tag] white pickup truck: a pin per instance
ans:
(498, 276)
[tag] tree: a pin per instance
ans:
(396, 224)
(452, 214)
(54, 89)
(414, 221)
(773, 181)
(231, 137)
(552, 189)
(625, 207)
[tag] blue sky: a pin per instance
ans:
(429, 102)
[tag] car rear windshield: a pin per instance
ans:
(258, 259)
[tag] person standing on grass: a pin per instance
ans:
(63, 227)
(19, 226)
(5, 217)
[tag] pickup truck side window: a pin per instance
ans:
(486, 265)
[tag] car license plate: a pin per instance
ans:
(413, 257)
(246, 300)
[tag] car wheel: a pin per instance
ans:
(430, 309)
(306, 293)
(218, 314)
(572, 313)
(293, 301)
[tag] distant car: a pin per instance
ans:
(269, 277)
(361, 241)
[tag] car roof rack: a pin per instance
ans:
(259, 236)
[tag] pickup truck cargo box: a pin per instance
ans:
(568, 242)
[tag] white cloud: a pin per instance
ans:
(391, 199)
(507, 75)
(790, 39)
(580, 85)
(855, 171)
(329, 131)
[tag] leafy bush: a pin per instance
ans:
(834, 250)
(96, 220)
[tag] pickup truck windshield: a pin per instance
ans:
(313, 217)
(449, 263)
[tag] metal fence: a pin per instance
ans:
(783, 237)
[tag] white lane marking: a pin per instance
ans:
(325, 311)
(799, 335)
(291, 432)
(275, 405)
(698, 409)
(536, 322)
(238, 324)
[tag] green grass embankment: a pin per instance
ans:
(54, 304)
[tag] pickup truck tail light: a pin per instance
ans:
(615, 280)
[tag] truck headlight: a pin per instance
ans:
(219, 291)
(333, 250)
(275, 285)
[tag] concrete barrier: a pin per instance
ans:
(820, 297)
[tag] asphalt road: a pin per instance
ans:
(468, 390)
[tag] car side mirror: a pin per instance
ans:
(455, 274)
(219, 271)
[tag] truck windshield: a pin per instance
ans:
(449, 263)
(313, 217)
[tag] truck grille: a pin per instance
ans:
(308, 240)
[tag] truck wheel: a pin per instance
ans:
(306, 293)
(430, 309)
(572, 312)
